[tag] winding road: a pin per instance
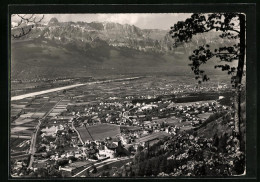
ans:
(34, 135)
(73, 127)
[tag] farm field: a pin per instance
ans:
(153, 136)
(99, 132)
(194, 103)
(84, 134)
(38, 114)
(21, 121)
(19, 129)
(184, 125)
(132, 128)
(79, 164)
(205, 115)
(19, 144)
(172, 121)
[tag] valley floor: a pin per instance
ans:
(138, 121)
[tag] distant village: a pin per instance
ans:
(76, 135)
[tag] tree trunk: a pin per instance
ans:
(238, 81)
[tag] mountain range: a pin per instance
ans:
(58, 49)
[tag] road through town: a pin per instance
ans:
(34, 135)
(73, 127)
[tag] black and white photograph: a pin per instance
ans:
(128, 95)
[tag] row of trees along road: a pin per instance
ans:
(232, 26)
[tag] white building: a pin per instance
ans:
(106, 152)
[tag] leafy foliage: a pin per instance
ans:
(187, 155)
(25, 24)
(227, 23)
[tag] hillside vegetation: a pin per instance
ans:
(81, 49)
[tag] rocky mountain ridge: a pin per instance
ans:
(115, 35)
(56, 49)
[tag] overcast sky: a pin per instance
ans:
(141, 20)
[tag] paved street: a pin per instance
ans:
(34, 135)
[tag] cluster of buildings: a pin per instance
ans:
(146, 121)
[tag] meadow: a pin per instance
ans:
(14, 144)
(98, 132)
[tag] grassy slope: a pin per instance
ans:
(43, 58)
(219, 127)
(99, 132)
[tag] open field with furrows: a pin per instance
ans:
(204, 115)
(19, 144)
(57, 110)
(145, 86)
(23, 126)
(79, 164)
(17, 107)
(64, 102)
(53, 114)
(131, 128)
(35, 105)
(27, 115)
(22, 130)
(38, 115)
(194, 103)
(84, 134)
(153, 136)
(98, 132)
(15, 112)
(28, 108)
(186, 125)
(47, 106)
(21, 121)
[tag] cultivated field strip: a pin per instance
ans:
(19, 97)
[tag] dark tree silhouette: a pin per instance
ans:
(25, 24)
(231, 26)
(94, 169)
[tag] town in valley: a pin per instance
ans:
(114, 100)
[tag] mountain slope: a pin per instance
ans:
(98, 48)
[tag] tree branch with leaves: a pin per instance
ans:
(25, 23)
(232, 27)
